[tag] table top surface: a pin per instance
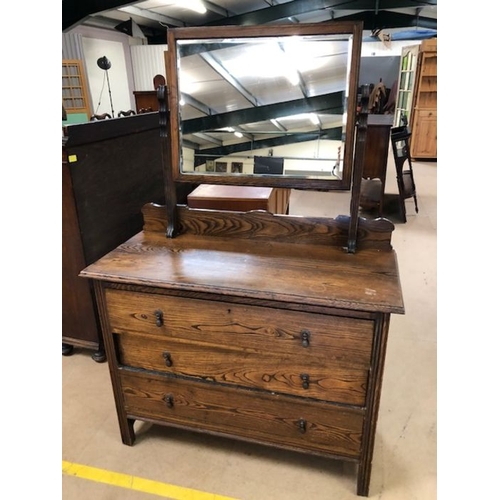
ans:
(222, 192)
(319, 275)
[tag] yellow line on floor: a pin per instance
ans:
(137, 483)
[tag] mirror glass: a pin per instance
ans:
(273, 110)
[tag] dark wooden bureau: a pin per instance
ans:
(257, 326)
(237, 334)
(110, 169)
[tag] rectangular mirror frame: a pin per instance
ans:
(203, 33)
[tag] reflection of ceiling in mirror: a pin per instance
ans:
(272, 79)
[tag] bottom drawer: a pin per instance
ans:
(266, 417)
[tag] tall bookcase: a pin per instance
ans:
(417, 97)
(74, 88)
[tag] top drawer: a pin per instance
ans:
(345, 341)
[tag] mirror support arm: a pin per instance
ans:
(359, 160)
(170, 192)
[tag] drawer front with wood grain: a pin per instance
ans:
(288, 374)
(311, 337)
(253, 415)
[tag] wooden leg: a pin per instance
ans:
(99, 356)
(373, 400)
(127, 431)
(364, 473)
(67, 349)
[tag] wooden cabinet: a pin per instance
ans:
(75, 98)
(378, 136)
(424, 138)
(422, 118)
(241, 198)
(103, 164)
(146, 101)
(262, 327)
(251, 325)
(423, 123)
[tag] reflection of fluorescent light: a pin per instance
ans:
(238, 134)
(293, 77)
(314, 118)
(194, 5)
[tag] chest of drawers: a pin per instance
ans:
(276, 343)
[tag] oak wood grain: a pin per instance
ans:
(252, 414)
(296, 273)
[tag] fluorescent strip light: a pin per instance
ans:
(314, 118)
(194, 5)
(238, 134)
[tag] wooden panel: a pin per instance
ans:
(253, 415)
(146, 99)
(74, 88)
(241, 198)
(265, 228)
(79, 322)
(378, 136)
(113, 177)
(305, 274)
(424, 138)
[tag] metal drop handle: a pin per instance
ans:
(302, 426)
(306, 337)
(159, 318)
(168, 358)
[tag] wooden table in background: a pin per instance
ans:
(239, 198)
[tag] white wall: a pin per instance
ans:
(315, 151)
(116, 47)
(147, 62)
(379, 49)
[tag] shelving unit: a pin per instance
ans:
(74, 88)
(423, 124)
(416, 104)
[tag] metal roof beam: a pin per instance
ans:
(200, 106)
(219, 68)
(147, 14)
(297, 7)
(387, 20)
(331, 134)
(74, 12)
(332, 103)
(208, 138)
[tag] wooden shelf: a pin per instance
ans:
(74, 87)
(418, 102)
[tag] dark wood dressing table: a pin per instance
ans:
(251, 325)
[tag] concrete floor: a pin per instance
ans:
(404, 462)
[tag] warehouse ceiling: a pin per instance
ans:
(225, 110)
(409, 19)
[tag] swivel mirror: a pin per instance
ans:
(264, 105)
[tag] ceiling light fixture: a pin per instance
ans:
(314, 118)
(194, 5)
(238, 134)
